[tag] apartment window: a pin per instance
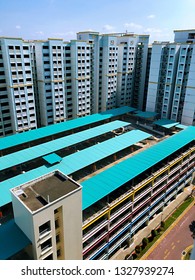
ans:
(57, 238)
(47, 244)
(58, 253)
(57, 224)
(50, 257)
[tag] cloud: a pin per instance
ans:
(40, 32)
(151, 16)
(18, 27)
(68, 34)
(108, 27)
(153, 30)
(133, 25)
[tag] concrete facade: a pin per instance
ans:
(43, 211)
(16, 87)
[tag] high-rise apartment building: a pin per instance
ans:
(118, 68)
(132, 62)
(50, 81)
(17, 98)
(171, 82)
(104, 57)
(80, 77)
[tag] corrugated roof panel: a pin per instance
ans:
(114, 177)
(52, 146)
(52, 158)
(145, 115)
(12, 239)
(29, 136)
(132, 167)
(166, 123)
(83, 158)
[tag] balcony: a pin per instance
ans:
(120, 221)
(142, 194)
(91, 232)
(170, 196)
(139, 224)
(119, 242)
(159, 180)
(125, 226)
(174, 170)
(95, 241)
(153, 211)
(146, 209)
(98, 249)
(46, 246)
(95, 215)
(121, 210)
(44, 233)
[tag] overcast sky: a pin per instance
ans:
(42, 19)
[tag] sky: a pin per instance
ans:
(42, 19)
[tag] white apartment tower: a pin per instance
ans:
(108, 64)
(50, 80)
(17, 100)
(132, 62)
(48, 210)
(171, 88)
(93, 38)
(118, 67)
(80, 66)
(104, 57)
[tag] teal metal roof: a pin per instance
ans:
(57, 144)
(145, 115)
(74, 162)
(88, 156)
(12, 240)
(29, 136)
(52, 158)
(5, 186)
(166, 123)
(104, 183)
(181, 126)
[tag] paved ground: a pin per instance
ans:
(120, 255)
(175, 241)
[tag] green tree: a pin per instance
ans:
(138, 249)
(144, 242)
